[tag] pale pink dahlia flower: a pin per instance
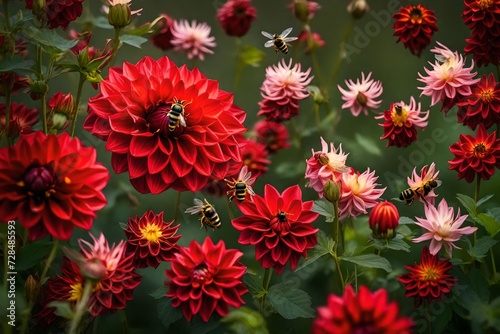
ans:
(418, 181)
(360, 96)
(443, 229)
(358, 193)
(194, 38)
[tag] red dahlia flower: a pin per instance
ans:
(482, 16)
(483, 105)
(364, 312)
(235, 17)
(21, 119)
(151, 239)
(163, 37)
(429, 279)
(383, 220)
(60, 13)
(279, 226)
(133, 114)
(254, 155)
(485, 50)
(206, 278)
(273, 135)
(51, 184)
(414, 26)
(476, 155)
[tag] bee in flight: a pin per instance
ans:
(241, 186)
(176, 114)
(411, 194)
(207, 213)
(279, 41)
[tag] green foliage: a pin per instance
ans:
(250, 55)
(245, 321)
(32, 254)
(325, 209)
(50, 41)
(62, 309)
(397, 243)
(369, 261)
(482, 247)
(489, 222)
(133, 40)
(324, 246)
(16, 64)
(290, 302)
(166, 313)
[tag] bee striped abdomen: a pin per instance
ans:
(210, 217)
(408, 196)
(240, 191)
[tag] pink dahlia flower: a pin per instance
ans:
(418, 181)
(361, 96)
(194, 38)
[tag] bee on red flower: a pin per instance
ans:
(241, 186)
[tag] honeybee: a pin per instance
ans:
(207, 213)
(176, 114)
(241, 186)
(279, 41)
(411, 194)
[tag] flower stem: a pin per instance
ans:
(8, 98)
(81, 81)
(336, 230)
(81, 306)
(116, 46)
(5, 4)
(477, 188)
(340, 56)
(428, 318)
(123, 320)
(43, 98)
(493, 265)
(26, 315)
(177, 203)
(266, 279)
(229, 209)
(317, 118)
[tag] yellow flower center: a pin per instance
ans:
(486, 96)
(484, 4)
(430, 275)
(399, 115)
(480, 150)
(151, 233)
(75, 292)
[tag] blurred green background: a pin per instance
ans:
(375, 50)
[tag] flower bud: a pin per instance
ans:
(383, 220)
(301, 10)
(38, 88)
(119, 15)
(32, 288)
(357, 8)
(331, 191)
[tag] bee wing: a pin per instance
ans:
(268, 35)
(286, 32)
(439, 182)
(268, 44)
(198, 204)
(290, 39)
(182, 120)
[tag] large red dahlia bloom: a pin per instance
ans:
(206, 278)
(482, 16)
(429, 279)
(236, 16)
(160, 149)
(51, 184)
(60, 13)
(279, 226)
(414, 26)
(364, 312)
(476, 155)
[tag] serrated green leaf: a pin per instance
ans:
(253, 283)
(404, 230)
(102, 22)
(368, 144)
(50, 41)
(468, 204)
(369, 261)
(167, 314)
(159, 293)
(406, 221)
(491, 225)
(482, 247)
(397, 243)
(290, 302)
(313, 255)
(135, 41)
(483, 200)
(32, 254)
(16, 64)
(250, 55)
(325, 209)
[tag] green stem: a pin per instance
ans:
(26, 315)
(81, 306)
(8, 90)
(177, 204)
(81, 81)
(317, 118)
(476, 198)
(229, 209)
(266, 279)
(340, 56)
(43, 98)
(116, 46)
(493, 265)
(5, 4)
(43, 102)
(123, 320)
(336, 237)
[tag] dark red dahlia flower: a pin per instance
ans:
(255, 155)
(51, 184)
(482, 106)
(159, 147)
(273, 135)
(279, 226)
(151, 239)
(205, 279)
(236, 16)
(476, 155)
(21, 119)
(482, 16)
(364, 312)
(275, 112)
(429, 279)
(383, 220)
(82, 37)
(414, 27)
(10, 81)
(60, 13)
(163, 37)
(485, 50)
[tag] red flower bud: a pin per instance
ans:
(383, 220)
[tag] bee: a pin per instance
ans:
(241, 186)
(411, 194)
(176, 114)
(279, 41)
(207, 213)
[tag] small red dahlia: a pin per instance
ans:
(482, 106)
(275, 112)
(236, 16)
(414, 27)
(51, 184)
(383, 220)
(163, 37)
(273, 135)
(485, 50)
(60, 13)
(476, 155)
(254, 155)
(21, 119)
(169, 127)
(364, 312)
(205, 279)
(151, 239)
(279, 226)
(429, 279)
(482, 16)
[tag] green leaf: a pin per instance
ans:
(253, 283)
(484, 199)
(16, 64)
(250, 55)
(397, 243)
(325, 209)
(479, 284)
(404, 230)
(50, 40)
(493, 314)
(441, 318)
(406, 221)
(290, 302)
(290, 169)
(32, 254)
(491, 224)
(468, 203)
(314, 254)
(102, 22)
(160, 292)
(245, 320)
(482, 247)
(368, 144)
(133, 40)
(369, 261)
(62, 309)
(167, 314)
